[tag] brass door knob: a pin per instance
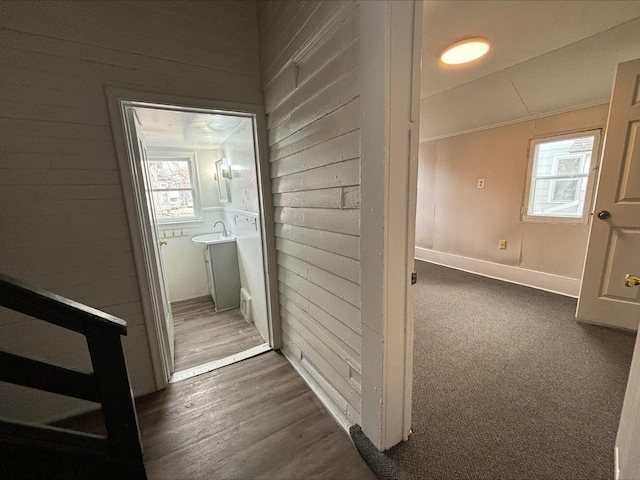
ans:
(631, 280)
(163, 242)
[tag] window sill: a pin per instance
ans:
(181, 223)
(557, 220)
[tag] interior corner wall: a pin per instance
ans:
(242, 217)
(63, 225)
(461, 221)
(310, 75)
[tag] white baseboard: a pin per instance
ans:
(313, 381)
(567, 286)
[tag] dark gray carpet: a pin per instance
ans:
(383, 467)
(507, 385)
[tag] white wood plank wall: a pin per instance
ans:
(309, 59)
(62, 217)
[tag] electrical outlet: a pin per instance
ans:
(502, 244)
(481, 183)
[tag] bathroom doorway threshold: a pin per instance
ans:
(216, 364)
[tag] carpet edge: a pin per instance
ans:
(381, 465)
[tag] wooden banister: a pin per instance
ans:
(52, 308)
(119, 454)
(48, 377)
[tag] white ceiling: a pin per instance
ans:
(170, 128)
(546, 56)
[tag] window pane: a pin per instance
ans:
(169, 174)
(173, 204)
(559, 178)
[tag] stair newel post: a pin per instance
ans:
(118, 407)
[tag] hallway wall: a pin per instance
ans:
(310, 76)
(63, 224)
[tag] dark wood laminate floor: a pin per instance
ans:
(202, 335)
(253, 419)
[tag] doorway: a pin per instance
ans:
(196, 175)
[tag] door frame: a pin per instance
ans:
(390, 114)
(139, 227)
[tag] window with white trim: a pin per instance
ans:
(173, 187)
(561, 177)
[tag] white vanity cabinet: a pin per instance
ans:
(223, 274)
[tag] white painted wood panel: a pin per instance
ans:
(18, 92)
(322, 78)
(342, 334)
(230, 18)
(327, 369)
(343, 120)
(104, 64)
(340, 221)
(349, 356)
(326, 300)
(336, 38)
(63, 224)
(344, 289)
(336, 175)
(347, 328)
(319, 348)
(344, 89)
(338, 149)
(284, 32)
(273, 32)
(344, 267)
(95, 24)
(30, 160)
(309, 59)
(306, 25)
(36, 111)
(345, 197)
(326, 198)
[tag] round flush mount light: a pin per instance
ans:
(465, 51)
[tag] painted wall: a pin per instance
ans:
(309, 54)
(455, 217)
(63, 225)
(243, 219)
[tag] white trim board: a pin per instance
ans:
(216, 364)
(567, 286)
(530, 118)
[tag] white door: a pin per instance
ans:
(628, 440)
(614, 241)
(151, 239)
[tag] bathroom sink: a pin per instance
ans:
(209, 238)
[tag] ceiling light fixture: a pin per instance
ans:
(465, 51)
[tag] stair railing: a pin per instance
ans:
(119, 454)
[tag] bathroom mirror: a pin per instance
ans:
(223, 174)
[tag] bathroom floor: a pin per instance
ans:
(202, 335)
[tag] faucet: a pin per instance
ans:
(224, 228)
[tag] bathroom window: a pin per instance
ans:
(561, 177)
(173, 188)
